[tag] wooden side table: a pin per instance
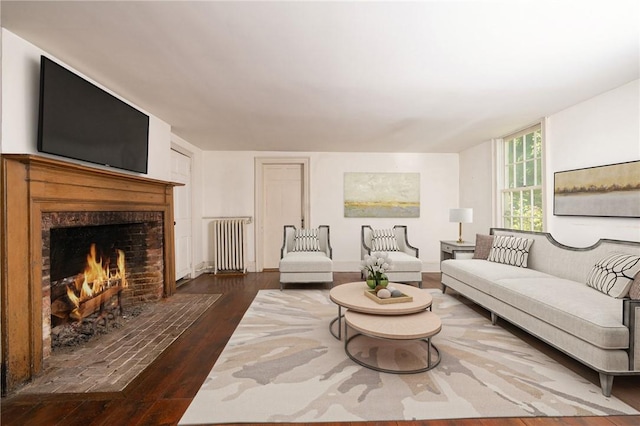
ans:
(456, 250)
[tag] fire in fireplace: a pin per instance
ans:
(93, 289)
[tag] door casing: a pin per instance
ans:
(260, 162)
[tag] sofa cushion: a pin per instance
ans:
(305, 261)
(401, 261)
(567, 305)
(483, 246)
(570, 306)
(510, 250)
(306, 240)
(614, 274)
(384, 240)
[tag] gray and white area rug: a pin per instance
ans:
(283, 365)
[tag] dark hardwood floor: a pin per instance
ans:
(161, 394)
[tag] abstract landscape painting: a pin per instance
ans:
(611, 191)
(382, 195)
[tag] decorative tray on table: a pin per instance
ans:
(371, 294)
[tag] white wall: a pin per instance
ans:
(229, 191)
(20, 98)
(476, 188)
(602, 130)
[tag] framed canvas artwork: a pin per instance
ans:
(382, 195)
(606, 191)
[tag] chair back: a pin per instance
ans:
(323, 237)
(402, 239)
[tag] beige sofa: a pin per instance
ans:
(550, 300)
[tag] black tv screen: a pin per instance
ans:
(81, 121)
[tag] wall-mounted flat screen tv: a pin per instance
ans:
(81, 121)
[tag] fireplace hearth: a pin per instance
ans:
(41, 197)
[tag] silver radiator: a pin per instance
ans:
(229, 245)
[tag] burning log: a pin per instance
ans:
(97, 303)
(61, 308)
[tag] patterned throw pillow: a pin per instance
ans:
(634, 290)
(384, 240)
(613, 275)
(510, 250)
(483, 246)
(306, 240)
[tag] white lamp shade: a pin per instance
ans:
(461, 215)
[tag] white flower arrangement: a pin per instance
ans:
(375, 266)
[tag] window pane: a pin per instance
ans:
(537, 210)
(519, 174)
(508, 152)
(515, 205)
(511, 178)
(538, 172)
(529, 146)
(519, 149)
(516, 223)
(537, 139)
(537, 197)
(529, 173)
(506, 204)
(506, 222)
(526, 203)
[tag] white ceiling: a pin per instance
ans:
(432, 76)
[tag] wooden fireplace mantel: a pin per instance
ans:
(30, 186)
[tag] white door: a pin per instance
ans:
(282, 206)
(181, 172)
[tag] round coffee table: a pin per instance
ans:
(421, 326)
(352, 297)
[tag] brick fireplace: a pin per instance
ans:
(71, 240)
(45, 199)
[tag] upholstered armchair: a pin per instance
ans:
(306, 256)
(406, 266)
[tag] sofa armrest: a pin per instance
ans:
(631, 319)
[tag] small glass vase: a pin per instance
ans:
(373, 282)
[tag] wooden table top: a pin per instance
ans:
(421, 325)
(352, 297)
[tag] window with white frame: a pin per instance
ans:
(521, 189)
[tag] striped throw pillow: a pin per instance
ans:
(306, 240)
(384, 240)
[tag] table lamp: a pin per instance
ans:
(461, 216)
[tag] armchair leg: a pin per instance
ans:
(444, 288)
